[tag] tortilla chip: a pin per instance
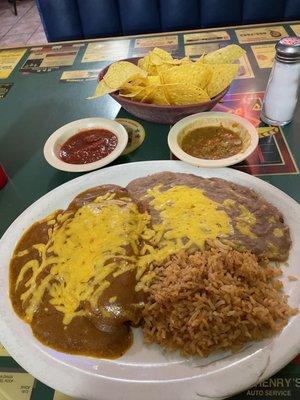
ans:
(225, 55)
(154, 80)
(222, 76)
(116, 76)
(195, 74)
(185, 93)
(101, 89)
(160, 79)
(129, 90)
(159, 96)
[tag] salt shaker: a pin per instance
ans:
(283, 87)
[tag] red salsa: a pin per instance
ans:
(88, 146)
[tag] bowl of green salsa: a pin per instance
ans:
(213, 139)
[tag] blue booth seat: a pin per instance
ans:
(82, 19)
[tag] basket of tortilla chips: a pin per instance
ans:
(159, 88)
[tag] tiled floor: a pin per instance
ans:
(22, 29)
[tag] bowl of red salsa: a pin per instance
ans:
(85, 144)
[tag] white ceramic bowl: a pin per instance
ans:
(61, 135)
(175, 133)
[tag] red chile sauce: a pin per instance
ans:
(88, 146)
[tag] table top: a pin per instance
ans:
(44, 88)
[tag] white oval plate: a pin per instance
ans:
(143, 371)
(212, 115)
(64, 133)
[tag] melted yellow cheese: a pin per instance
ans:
(271, 220)
(22, 253)
(228, 203)
(245, 221)
(88, 246)
(81, 253)
(277, 232)
(187, 219)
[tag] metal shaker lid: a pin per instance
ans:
(288, 50)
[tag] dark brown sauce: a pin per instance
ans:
(88, 146)
(212, 143)
(93, 335)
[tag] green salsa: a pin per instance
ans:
(212, 143)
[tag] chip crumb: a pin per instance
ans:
(292, 278)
